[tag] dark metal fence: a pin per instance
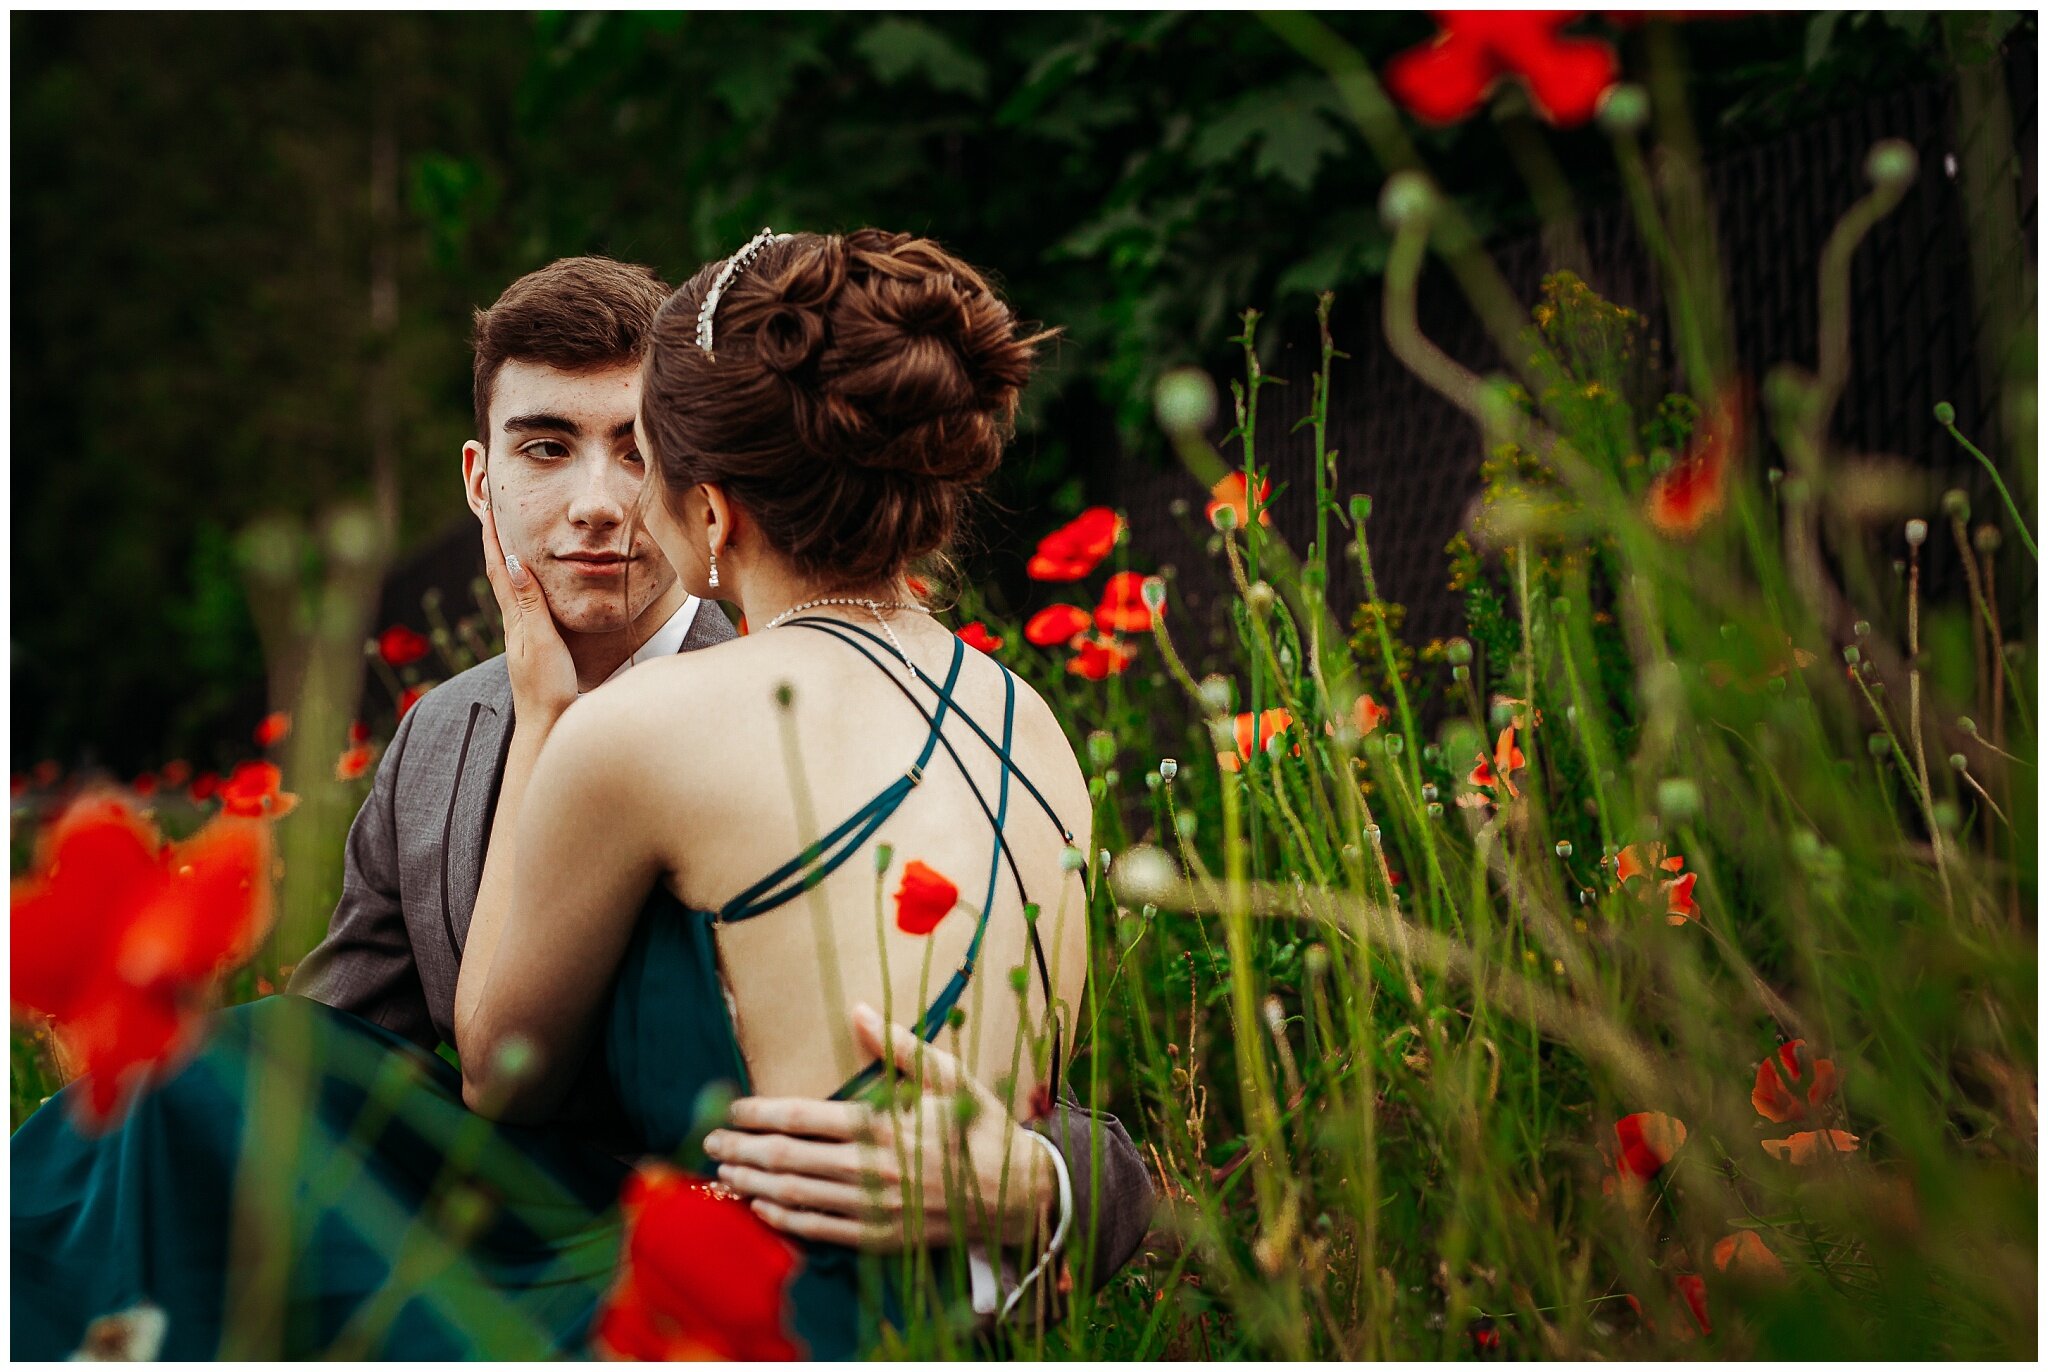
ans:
(1915, 340)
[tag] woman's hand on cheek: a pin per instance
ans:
(543, 673)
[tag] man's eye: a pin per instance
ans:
(546, 448)
(633, 456)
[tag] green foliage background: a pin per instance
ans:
(247, 245)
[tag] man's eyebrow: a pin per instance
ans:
(542, 423)
(624, 430)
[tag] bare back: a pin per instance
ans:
(757, 783)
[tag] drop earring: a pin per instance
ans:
(714, 568)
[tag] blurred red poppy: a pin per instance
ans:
(923, 898)
(204, 786)
(1746, 1255)
(401, 646)
(702, 1278)
(1271, 724)
(358, 732)
(116, 937)
(144, 785)
(174, 773)
(1448, 78)
(252, 792)
(352, 763)
(1056, 624)
(271, 731)
(1806, 1085)
(1229, 493)
(410, 697)
(1647, 1141)
(1077, 547)
(45, 773)
(977, 636)
(1507, 759)
(1123, 609)
(1370, 715)
(1693, 489)
(1639, 859)
(1679, 905)
(1810, 1144)
(1099, 659)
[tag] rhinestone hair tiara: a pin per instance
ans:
(734, 265)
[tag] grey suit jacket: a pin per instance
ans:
(409, 884)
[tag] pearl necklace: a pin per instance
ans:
(874, 607)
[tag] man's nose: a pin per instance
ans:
(602, 496)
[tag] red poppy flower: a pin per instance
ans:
(352, 763)
(1693, 489)
(1123, 609)
(702, 1277)
(358, 732)
(252, 791)
(272, 730)
(45, 774)
(1230, 492)
(1693, 1288)
(410, 697)
(1680, 906)
(144, 785)
(1639, 859)
(174, 773)
(1271, 724)
(17, 785)
(1370, 715)
(203, 787)
(1448, 78)
(1056, 624)
(1098, 658)
(1507, 758)
(923, 898)
(401, 646)
(115, 937)
(977, 636)
(1807, 1145)
(1077, 547)
(1746, 1255)
(1795, 1097)
(1647, 1141)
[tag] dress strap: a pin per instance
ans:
(825, 856)
(834, 627)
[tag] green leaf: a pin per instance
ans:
(1819, 33)
(1289, 126)
(897, 48)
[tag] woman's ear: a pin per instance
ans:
(720, 528)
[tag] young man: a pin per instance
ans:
(556, 390)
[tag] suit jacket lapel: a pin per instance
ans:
(487, 737)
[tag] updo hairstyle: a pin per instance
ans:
(859, 391)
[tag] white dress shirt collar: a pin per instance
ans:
(665, 640)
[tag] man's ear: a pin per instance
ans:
(476, 478)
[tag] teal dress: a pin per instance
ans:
(380, 1218)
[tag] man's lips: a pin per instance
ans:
(594, 564)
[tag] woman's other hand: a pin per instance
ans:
(841, 1172)
(543, 673)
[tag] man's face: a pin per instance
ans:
(563, 478)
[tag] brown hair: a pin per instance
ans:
(578, 314)
(859, 391)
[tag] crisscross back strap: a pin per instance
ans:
(935, 1015)
(825, 856)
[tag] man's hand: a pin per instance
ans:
(543, 673)
(840, 1172)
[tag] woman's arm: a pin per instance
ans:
(570, 861)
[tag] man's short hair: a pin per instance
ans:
(578, 314)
